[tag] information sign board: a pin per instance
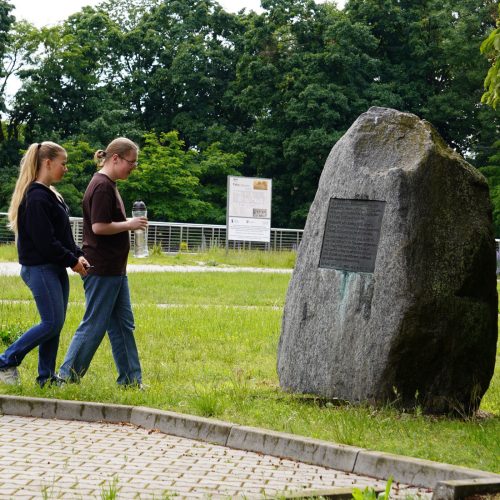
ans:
(249, 209)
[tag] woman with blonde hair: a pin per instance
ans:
(45, 245)
(106, 245)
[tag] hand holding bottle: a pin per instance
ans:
(139, 225)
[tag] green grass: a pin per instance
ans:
(254, 289)
(201, 357)
(212, 257)
(8, 252)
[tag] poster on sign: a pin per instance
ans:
(249, 209)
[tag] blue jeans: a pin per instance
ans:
(50, 287)
(108, 309)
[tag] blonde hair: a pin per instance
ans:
(29, 168)
(120, 146)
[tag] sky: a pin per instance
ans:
(49, 12)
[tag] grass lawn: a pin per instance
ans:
(213, 257)
(208, 345)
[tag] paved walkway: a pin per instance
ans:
(49, 458)
(13, 269)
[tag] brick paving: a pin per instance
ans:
(47, 458)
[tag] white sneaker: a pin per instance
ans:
(9, 376)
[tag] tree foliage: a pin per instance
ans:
(207, 93)
(6, 22)
(81, 168)
(306, 73)
(169, 179)
(491, 49)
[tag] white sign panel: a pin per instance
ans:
(245, 229)
(249, 209)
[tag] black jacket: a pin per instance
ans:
(44, 231)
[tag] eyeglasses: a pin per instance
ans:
(131, 163)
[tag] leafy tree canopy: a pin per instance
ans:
(169, 179)
(264, 94)
(491, 49)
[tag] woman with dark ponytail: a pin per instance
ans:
(39, 218)
(106, 245)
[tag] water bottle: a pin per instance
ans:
(140, 235)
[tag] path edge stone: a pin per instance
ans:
(303, 449)
(448, 481)
(451, 490)
(416, 471)
(181, 425)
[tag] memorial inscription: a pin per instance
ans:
(351, 236)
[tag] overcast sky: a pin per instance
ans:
(44, 12)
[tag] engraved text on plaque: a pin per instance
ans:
(351, 237)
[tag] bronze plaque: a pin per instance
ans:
(352, 232)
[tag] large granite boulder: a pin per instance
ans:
(394, 296)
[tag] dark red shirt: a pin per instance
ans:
(102, 203)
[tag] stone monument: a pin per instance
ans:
(393, 297)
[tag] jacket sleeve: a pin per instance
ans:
(78, 251)
(40, 229)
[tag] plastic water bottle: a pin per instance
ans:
(140, 235)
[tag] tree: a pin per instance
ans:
(266, 94)
(9, 156)
(215, 166)
(179, 60)
(6, 21)
(492, 173)
(81, 168)
(180, 184)
(428, 49)
(8, 177)
(22, 45)
(305, 75)
(167, 180)
(128, 13)
(491, 49)
(67, 86)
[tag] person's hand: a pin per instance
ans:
(138, 223)
(84, 261)
(79, 267)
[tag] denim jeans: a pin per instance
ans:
(50, 287)
(108, 309)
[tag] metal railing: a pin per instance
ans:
(175, 236)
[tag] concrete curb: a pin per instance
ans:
(450, 490)
(302, 449)
(448, 481)
(415, 471)
(336, 493)
(186, 426)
